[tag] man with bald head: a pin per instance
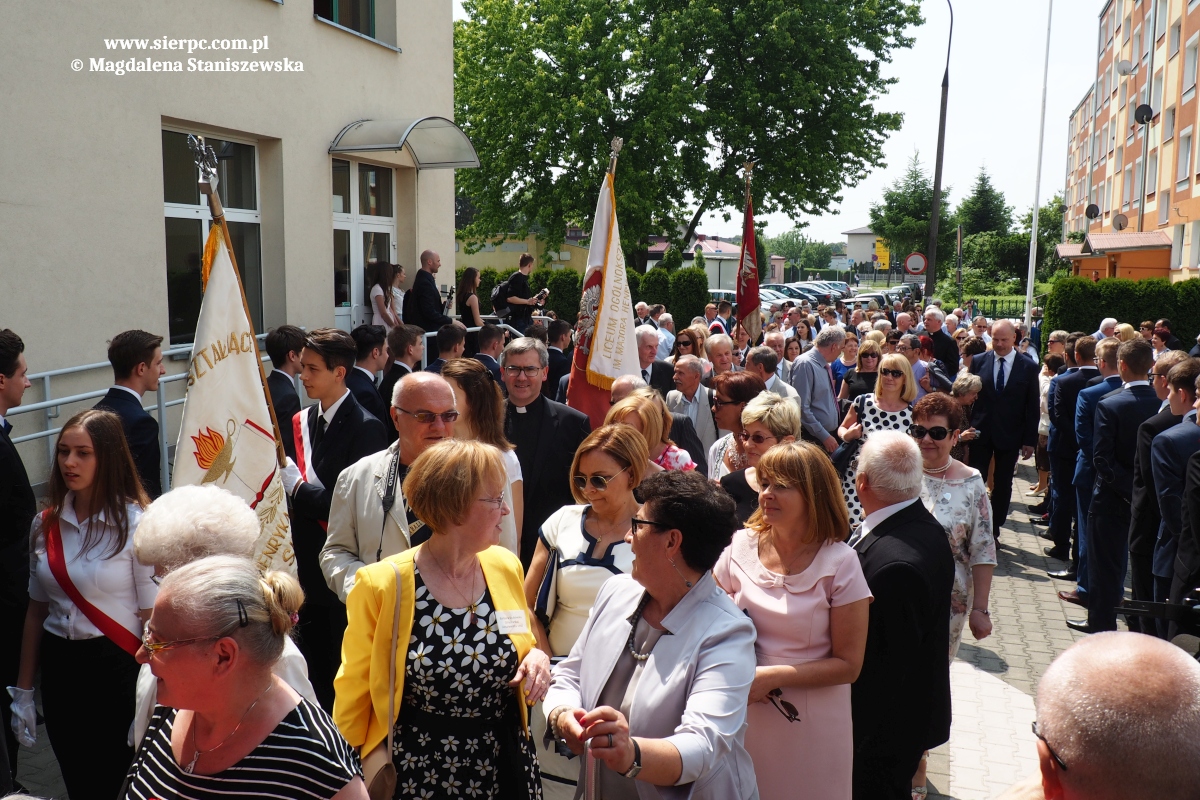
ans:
(1118, 718)
(1005, 414)
(363, 525)
(423, 302)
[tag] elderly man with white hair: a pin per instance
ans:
(653, 371)
(812, 378)
(901, 700)
(1108, 327)
(643, 315)
(184, 525)
(778, 342)
(666, 335)
(692, 399)
(1118, 718)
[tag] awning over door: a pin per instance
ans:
(433, 142)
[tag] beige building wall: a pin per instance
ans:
(507, 255)
(82, 242)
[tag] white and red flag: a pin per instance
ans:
(748, 313)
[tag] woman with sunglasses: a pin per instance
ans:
(664, 713)
(226, 724)
(467, 664)
(888, 408)
(791, 563)
(768, 420)
(731, 392)
(862, 377)
(579, 548)
(646, 412)
(88, 599)
(685, 345)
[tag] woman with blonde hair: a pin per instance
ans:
(791, 563)
(579, 548)
(466, 664)
(480, 406)
(1125, 332)
(88, 600)
(888, 408)
(645, 411)
(768, 420)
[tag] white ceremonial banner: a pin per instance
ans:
(613, 349)
(227, 437)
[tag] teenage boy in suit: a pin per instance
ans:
(137, 363)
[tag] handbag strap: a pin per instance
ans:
(543, 595)
(115, 631)
(392, 663)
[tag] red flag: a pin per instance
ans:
(748, 313)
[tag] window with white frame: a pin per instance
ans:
(187, 221)
(1126, 187)
(364, 235)
(1183, 159)
(1137, 182)
(1191, 53)
(1169, 124)
(1164, 207)
(1125, 30)
(1173, 40)
(1152, 175)
(1108, 195)
(1157, 95)
(1121, 94)
(1136, 52)
(1160, 18)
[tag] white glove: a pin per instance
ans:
(24, 719)
(290, 477)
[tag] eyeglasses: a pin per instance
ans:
(1061, 764)
(783, 706)
(499, 501)
(157, 647)
(719, 404)
(685, 343)
(757, 438)
(528, 372)
(428, 417)
(649, 523)
(597, 482)
(891, 373)
(865, 356)
(919, 432)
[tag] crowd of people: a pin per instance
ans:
(750, 581)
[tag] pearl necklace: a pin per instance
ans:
(637, 615)
(938, 470)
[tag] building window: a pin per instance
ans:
(1164, 207)
(1157, 94)
(1183, 159)
(357, 15)
(1173, 42)
(1121, 94)
(364, 234)
(1190, 54)
(1125, 30)
(1137, 45)
(1169, 124)
(1137, 182)
(1126, 188)
(187, 220)
(1160, 18)
(1152, 176)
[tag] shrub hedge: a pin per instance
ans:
(1078, 304)
(656, 288)
(689, 294)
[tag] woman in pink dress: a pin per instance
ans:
(804, 589)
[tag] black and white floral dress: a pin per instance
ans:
(459, 730)
(873, 418)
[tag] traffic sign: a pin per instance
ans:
(915, 264)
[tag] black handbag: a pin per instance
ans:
(844, 456)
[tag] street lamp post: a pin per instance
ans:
(931, 271)
(1033, 229)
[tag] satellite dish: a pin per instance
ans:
(1143, 114)
(1092, 211)
(1125, 67)
(1120, 222)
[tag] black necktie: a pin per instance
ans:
(319, 434)
(646, 375)
(7, 426)
(1000, 377)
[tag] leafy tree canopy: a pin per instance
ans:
(694, 88)
(902, 219)
(984, 209)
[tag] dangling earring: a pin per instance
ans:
(680, 574)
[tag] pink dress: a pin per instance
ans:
(813, 757)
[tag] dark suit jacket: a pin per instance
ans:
(423, 303)
(901, 700)
(945, 349)
(353, 434)
(1114, 443)
(286, 402)
(546, 466)
(560, 396)
(1085, 427)
(560, 365)
(1187, 555)
(141, 432)
(1062, 411)
(17, 507)
(1009, 420)
(662, 378)
(1146, 517)
(1169, 457)
(683, 434)
(367, 395)
(493, 367)
(436, 365)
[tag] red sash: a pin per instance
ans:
(115, 631)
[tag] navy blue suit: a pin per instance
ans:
(390, 378)
(1006, 421)
(1146, 518)
(1118, 417)
(493, 367)
(286, 403)
(366, 393)
(141, 432)
(1063, 449)
(559, 365)
(17, 507)
(1169, 454)
(1085, 474)
(1187, 555)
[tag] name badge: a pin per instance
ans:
(511, 622)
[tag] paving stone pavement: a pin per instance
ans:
(992, 682)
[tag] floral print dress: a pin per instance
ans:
(458, 711)
(965, 512)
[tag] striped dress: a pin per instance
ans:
(304, 757)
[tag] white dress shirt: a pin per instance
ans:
(331, 412)
(119, 585)
(875, 518)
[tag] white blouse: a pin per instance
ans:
(119, 586)
(510, 537)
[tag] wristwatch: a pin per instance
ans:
(637, 761)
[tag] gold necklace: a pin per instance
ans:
(191, 765)
(472, 600)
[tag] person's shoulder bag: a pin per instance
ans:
(379, 771)
(843, 457)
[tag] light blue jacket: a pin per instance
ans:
(693, 689)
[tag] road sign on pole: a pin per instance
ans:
(915, 264)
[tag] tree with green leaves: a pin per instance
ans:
(984, 208)
(672, 259)
(1050, 234)
(695, 89)
(902, 219)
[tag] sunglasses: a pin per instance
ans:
(783, 706)
(685, 342)
(157, 647)
(919, 432)
(719, 404)
(597, 482)
(757, 438)
(891, 373)
(428, 417)
(1061, 764)
(865, 356)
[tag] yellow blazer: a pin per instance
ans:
(361, 687)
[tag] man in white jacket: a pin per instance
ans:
(364, 526)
